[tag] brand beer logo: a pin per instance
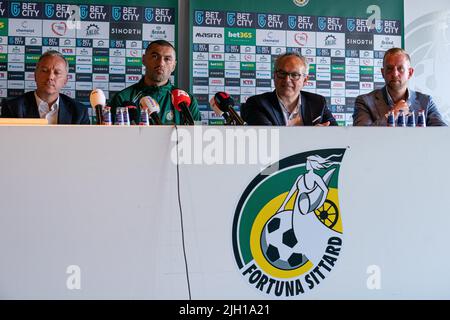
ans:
(287, 228)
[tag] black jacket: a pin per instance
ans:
(264, 109)
(70, 111)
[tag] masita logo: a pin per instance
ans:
(287, 228)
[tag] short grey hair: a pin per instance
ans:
(292, 54)
(53, 53)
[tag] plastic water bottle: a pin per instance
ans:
(411, 119)
(119, 117)
(144, 118)
(391, 119)
(421, 122)
(401, 121)
(107, 116)
(126, 116)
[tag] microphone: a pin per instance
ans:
(181, 101)
(98, 101)
(150, 104)
(226, 104)
(132, 112)
(219, 112)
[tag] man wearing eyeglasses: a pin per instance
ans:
(288, 105)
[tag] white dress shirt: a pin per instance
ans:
(293, 118)
(47, 112)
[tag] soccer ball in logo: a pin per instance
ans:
(280, 244)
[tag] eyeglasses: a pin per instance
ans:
(293, 75)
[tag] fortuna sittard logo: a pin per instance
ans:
(287, 228)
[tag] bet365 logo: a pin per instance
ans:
(287, 228)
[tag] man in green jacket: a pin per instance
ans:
(159, 61)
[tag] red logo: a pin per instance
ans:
(134, 53)
(59, 28)
(301, 38)
(133, 78)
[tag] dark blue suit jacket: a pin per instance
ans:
(70, 111)
(264, 109)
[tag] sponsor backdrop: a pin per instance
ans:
(103, 41)
(249, 234)
(233, 46)
(105, 52)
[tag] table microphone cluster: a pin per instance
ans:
(147, 113)
(223, 105)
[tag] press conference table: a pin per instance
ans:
(104, 201)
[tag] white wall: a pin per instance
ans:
(427, 38)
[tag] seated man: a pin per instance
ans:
(288, 105)
(159, 60)
(46, 101)
(371, 109)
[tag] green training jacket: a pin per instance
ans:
(168, 114)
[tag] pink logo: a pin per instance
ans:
(134, 53)
(59, 28)
(301, 38)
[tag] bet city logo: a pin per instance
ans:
(287, 228)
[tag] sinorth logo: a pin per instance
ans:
(287, 228)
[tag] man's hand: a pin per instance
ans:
(325, 124)
(400, 105)
(294, 121)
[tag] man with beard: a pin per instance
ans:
(159, 60)
(372, 109)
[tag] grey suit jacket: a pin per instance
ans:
(371, 108)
